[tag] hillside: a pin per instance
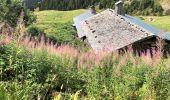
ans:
(162, 23)
(33, 67)
(135, 7)
(57, 25)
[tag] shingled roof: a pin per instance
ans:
(107, 30)
(80, 18)
(147, 27)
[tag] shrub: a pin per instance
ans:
(35, 31)
(158, 10)
(144, 7)
(46, 70)
(48, 73)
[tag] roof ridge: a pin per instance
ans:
(135, 25)
(153, 30)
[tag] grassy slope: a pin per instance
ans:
(58, 24)
(162, 22)
(52, 16)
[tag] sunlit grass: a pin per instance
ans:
(57, 25)
(53, 16)
(49, 19)
(160, 22)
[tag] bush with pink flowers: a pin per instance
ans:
(43, 70)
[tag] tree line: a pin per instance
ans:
(143, 7)
(67, 4)
(137, 7)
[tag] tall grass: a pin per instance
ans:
(45, 70)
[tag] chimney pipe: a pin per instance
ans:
(93, 9)
(119, 7)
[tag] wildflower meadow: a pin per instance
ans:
(44, 70)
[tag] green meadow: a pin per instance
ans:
(160, 22)
(57, 25)
(52, 16)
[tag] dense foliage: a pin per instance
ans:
(38, 73)
(57, 26)
(138, 7)
(61, 4)
(10, 11)
(144, 7)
